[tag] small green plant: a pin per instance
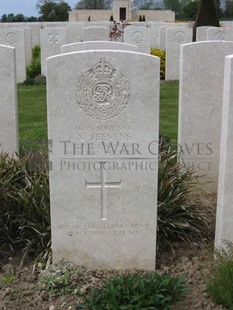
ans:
(7, 280)
(220, 279)
(136, 292)
(162, 55)
(7, 283)
(34, 69)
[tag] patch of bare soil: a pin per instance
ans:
(21, 292)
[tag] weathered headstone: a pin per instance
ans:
(224, 218)
(154, 32)
(51, 41)
(74, 32)
(98, 45)
(220, 34)
(28, 45)
(139, 36)
(16, 38)
(93, 33)
(8, 101)
(200, 107)
(103, 122)
(162, 37)
(201, 33)
(175, 36)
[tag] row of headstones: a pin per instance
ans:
(103, 120)
(166, 36)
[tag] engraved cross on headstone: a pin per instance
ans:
(103, 185)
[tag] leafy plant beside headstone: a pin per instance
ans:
(220, 278)
(33, 71)
(136, 292)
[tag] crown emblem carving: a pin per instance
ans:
(102, 69)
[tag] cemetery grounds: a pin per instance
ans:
(20, 289)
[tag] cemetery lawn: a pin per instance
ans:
(33, 112)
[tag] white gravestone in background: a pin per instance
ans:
(201, 33)
(224, 218)
(104, 123)
(154, 32)
(74, 32)
(94, 33)
(8, 101)
(175, 36)
(51, 41)
(97, 45)
(16, 38)
(200, 107)
(139, 36)
(220, 34)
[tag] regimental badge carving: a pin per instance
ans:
(221, 36)
(137, 37)
(53, 38)
(102, 92)
(11, 38)
(179, 37)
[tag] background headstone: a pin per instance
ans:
(220, 34)
(97, 45)
(95, 33)
(8, 101)
(200, 107)
(139, 36)
(51, 41)
(74, 32)
(175, 36)
(16, 38)
(224, 218)
(103, 120)
(201, 33)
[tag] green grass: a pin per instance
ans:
(169, 109)
(33, 114)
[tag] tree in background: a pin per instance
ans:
(229, 9)
(53, 10)
(206, 15)
(189, 10)
(143, 4)
(11, 18)
(173, 5)
(94, 4)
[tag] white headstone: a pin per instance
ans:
(16, 38)
(98, 45)
(8, 101)
(200, 106)
(94, 33)
(162, 37)
(74, 32)
(139, 36)
(51, 41)
(224, 218)
(201, 33)
(220, 34)
(28, 45)
(103, 121)
(175, 36)
(154, 32)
